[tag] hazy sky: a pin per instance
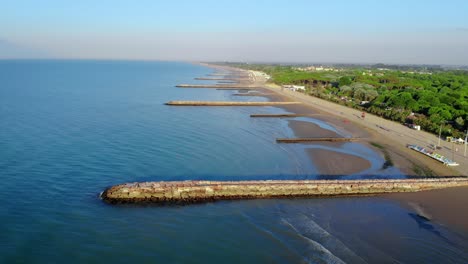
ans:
(389, 31)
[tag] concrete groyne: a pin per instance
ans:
(200, 191)
(302, 140)
(233, 75)
(219, 74)
(228, 82)
(212, 86)
(251, 94)
(226, 103)
(220, 79)
(239, 89)
(282, 115)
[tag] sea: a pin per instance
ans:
(71, 128)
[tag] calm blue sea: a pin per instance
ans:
(69, 129)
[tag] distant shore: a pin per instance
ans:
(308, 129)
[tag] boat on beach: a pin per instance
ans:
(446, 161)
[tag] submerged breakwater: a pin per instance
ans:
(199, 191)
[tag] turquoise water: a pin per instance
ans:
(69, 129)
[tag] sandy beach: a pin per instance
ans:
(447, 207)
(324, 160)
(327, 161)
(307, 129)
(390, 136)
(393, 138)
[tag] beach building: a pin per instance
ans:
(456, 140)
(294, 88)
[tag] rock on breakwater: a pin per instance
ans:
(200, 191)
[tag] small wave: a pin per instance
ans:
(321, 241)
(315, 247)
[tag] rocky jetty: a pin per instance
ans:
(201, 191)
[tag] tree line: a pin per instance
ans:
(429, 98)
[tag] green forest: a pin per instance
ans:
(433, 99)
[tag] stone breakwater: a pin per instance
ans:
(201, 191)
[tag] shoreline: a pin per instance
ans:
(341, 117)
(303, 129)
(446, 207)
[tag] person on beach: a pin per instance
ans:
(363, 115)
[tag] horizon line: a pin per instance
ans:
(228, 61)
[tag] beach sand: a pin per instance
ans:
(393, 142)
(447, 206)
(326, 161)
(348, 121)
(305, 129)
(336, 163)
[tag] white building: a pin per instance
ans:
(294, 88)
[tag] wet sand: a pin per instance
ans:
(408, 161)
(336, 163)
(305, 129)
(448, 207)
(325, 160)
(328, 162)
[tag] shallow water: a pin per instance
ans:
(69, 129)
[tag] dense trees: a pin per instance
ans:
(345, 80)
(434, 98)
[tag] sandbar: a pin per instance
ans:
(335, 163)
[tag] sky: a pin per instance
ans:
(313, 31)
